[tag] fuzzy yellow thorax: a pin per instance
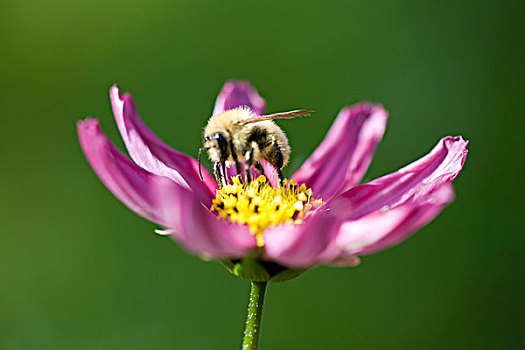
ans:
(259, 205)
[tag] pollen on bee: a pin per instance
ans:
(259, 205)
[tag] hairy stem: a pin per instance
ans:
(253, 319)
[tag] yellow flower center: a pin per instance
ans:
(260, 206)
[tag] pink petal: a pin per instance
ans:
(302, 245)
(237, 93)
(149, 152)
(270, 173)
(196, 228)
(385, 228)
(414, 181)
(126, 180)
(345, 154)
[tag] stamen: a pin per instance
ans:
(259, 205)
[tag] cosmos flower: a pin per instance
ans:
(321, 216)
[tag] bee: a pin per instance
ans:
(240, 136)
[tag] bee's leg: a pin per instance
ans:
(248, 165)
(277, 160)
(224, 175)
(217, 173)
(281, 176)
(259, 168)
(219, 177)
(250, 161)
(237, 164)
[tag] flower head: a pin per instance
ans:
(259, 205)
(320, 215)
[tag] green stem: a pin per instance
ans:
(253, 319)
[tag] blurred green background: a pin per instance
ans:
(78, 270)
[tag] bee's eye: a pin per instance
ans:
(220, 138)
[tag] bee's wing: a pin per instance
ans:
(282, 115)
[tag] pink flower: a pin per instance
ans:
(163, 185)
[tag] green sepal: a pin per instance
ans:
(251, 269)
(286, 275)
(248, 268)
(227, 263)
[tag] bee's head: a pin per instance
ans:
(217, 146)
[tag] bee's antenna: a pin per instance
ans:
(200, 153)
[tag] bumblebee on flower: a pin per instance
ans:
(318, 216)
(239, 134)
